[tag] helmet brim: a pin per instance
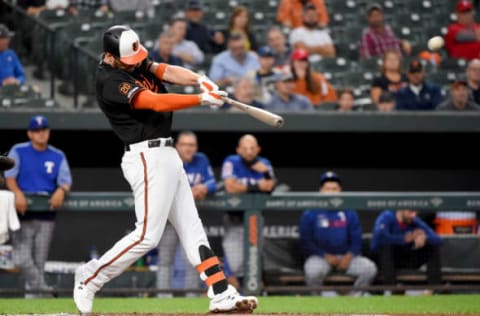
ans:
(138, 57)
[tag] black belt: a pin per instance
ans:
(155, 143)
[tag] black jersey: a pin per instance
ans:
(115, 91)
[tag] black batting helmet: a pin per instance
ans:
(123, 43)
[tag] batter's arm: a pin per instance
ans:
(175, 74)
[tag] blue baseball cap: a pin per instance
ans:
(37, 122)
(265, 51)
(329, 176)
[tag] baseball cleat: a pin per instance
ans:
(230, 301)
(82, 295)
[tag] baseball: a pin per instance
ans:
(435, 43)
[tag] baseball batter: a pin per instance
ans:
(131, 93)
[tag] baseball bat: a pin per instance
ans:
(264, 116)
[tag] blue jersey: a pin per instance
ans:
(330, 232)
(234, 167)
(38, 172)
(388, 231)
(199, 171)
(11, 67)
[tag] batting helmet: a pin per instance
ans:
(123, 43)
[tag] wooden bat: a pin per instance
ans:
(259, 114)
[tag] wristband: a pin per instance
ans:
(252, 188)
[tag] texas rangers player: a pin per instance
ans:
(130, 92)
(202, 181)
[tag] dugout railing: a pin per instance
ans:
(254, 205)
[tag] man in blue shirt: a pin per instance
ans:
(40, 169)
(202, 181)
(245, 172)
(284, 99)
(402, 240)
(332, 240)
(419, 94)
(11, 70)
(234, 63)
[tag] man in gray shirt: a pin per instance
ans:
(284, 100)
(458, 100)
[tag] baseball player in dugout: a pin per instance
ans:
(131, 93)
(202, 181)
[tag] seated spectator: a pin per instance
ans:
(163, 52)
(99, 5)
(234, 63)
(473, 79)
(265, 74)
(463, 36)
(401, 240)
(332, 240)
(244, 92)
(281, 51)
(346, 100)
(309, 83)
(11, 70)
(433, 58)
(419, 94)
(289, 12)
(391, 77)
(316, 41)
(378, 37)
(32, 7)
(456, 222)
(458, 100)
(207, 39)
(186, 50)
(284, 99)
(240, 23)
(386, 102)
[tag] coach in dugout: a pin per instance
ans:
(332, 241)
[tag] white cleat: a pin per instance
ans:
(82, 295)
(230, 301)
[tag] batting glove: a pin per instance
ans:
(206, 84)
(213, 98)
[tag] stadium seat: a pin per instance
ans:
(347, 50)
(370, 64)
(334, 64)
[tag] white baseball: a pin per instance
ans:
(435, 43)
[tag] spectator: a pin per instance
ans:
(244, 92)
(98, 5)
(202, 181)
(281, 51)
(419, 94)
(456, 222)
(289, 12)
(40, 169)
(458, 100)
(402, 240)
(284, 99)
(244, 172)
(317, 42)
(11, 71)
(208, 40)
(309, 83)
(186, 50)
(32, 7)
(346, 100)
(473, 79)
(463, 36)
(265, 74)
(234, 63)
(332, 240)
(391, 77)
(163, 52)
(378, 37)
(240, 23)
(386, 102)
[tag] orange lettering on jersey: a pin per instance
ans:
(124, 88)
(147, 84)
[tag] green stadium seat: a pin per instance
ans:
(334, 64)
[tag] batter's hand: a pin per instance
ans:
(213, 98)
(206, 84)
